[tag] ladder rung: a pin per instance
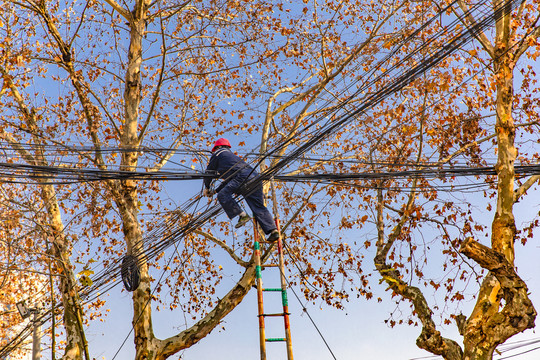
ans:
(272, 289)
(275, 339)
(270, 265)
(275, 314)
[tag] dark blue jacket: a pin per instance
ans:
(225, 164)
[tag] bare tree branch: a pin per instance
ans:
(519, 192)
(224, 246)
(119, 9)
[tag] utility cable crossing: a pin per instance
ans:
(170, 233)
(25, 174)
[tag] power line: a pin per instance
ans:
(43, 173)
(313, 134)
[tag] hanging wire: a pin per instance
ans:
(144, 307)
(94, 175)
(39, 173)
(315, 132)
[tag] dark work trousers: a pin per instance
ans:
(255, 201)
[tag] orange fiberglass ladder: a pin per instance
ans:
(283, 290)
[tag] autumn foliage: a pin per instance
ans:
(117, 88)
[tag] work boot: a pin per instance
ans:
(273, 237)
(242, 220)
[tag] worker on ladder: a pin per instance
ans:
(234, 172)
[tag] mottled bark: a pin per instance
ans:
(127, 196)
(495, 327)
(76, 344)
(204, 326)
(487, 327)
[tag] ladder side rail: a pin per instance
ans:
(284, 299)
(258, 281)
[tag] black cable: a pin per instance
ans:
(430, 171)
(316, 137)
(408, 78)
(147, 302)
(511, 346)
(187, 176)
(521, 353)
(143, 308)
(17, 340)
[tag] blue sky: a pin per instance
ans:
(359, 331)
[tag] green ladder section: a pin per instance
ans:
(284, 301)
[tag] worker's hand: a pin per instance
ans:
(208, 192)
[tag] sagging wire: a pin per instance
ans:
(188, 176)
(406, 78)
(501, 349)
(374, 98)
(430, 172)
(150, 296)
(318, 136)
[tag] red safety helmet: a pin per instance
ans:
(221, 142)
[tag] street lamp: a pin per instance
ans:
(36, 336)
(23, 310)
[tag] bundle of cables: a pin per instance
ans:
(130, 273)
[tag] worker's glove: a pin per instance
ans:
(208, 192)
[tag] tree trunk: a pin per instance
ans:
(126, 194)
(75, 339)
(488, 327)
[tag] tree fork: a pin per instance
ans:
(488, 327)
(518, 313)
(430, 338)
